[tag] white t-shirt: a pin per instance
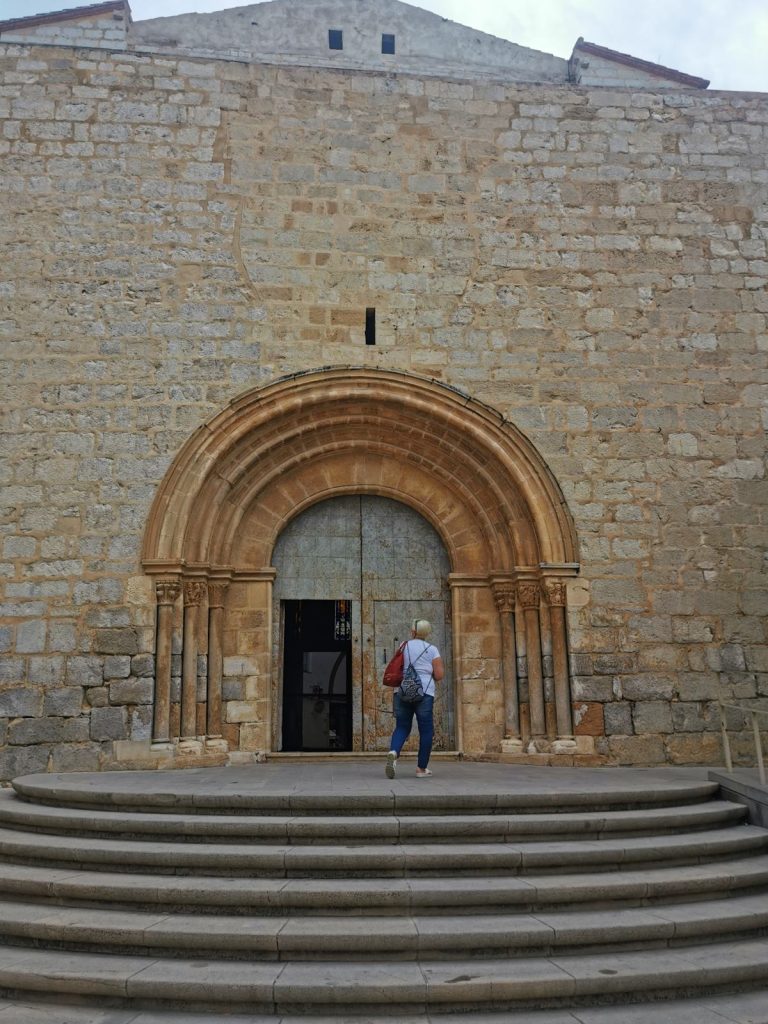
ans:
(421, 654)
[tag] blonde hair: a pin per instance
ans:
(422, 628)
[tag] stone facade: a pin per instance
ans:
(590, 263)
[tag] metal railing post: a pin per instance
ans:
(758, 747)
(726, 741)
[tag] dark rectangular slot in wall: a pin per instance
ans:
(335, 39)
(387, 43)
(370, 326)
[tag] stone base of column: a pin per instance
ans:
(511, 745)
(538, 745)
(161, 745)
(190, 745)
(564, 745)
(217, 743)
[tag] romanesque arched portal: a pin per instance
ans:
(278, 450)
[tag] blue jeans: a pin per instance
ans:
(404, 713)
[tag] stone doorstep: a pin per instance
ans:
(393, 938)
(382, 859)
(351, 986)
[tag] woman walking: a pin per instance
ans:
(426, 660)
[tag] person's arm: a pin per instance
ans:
(438, 669)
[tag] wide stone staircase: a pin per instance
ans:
(486, 891)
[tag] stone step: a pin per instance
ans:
(304, 829)
(366, 792)
(389, 896)
(736, 1008)
(407, 937)
(395, 988)
(381, 860)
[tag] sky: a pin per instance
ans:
(726, 42)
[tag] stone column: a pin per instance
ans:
(504, 595)
(194, 590)
(556, 597)
(214, 739)
(167, 591)
(529, 594)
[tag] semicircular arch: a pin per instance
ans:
(277, 449)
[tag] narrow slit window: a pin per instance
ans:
(335, 39)
(387, 43)
(370, 326)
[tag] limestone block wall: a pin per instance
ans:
(590, 262)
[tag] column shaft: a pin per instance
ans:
(166, 592)
(215, 659)
(529, 594)
(556, 593)
(193, 593)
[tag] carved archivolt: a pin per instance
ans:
(279, 449)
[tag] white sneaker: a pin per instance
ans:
(389, 769)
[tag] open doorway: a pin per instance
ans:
(317, 676)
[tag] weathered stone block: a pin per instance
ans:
(131, 691)
(117, 641)
(117, 666)
(592, 688)
(75, 758)
(702, 748)
(21, 702)
(648, 687)
(84, 671)
(652, 717)
(66, 701)
(109, 724)
(16, 761)
(614, 664)
(588, 719)
(618, 718)
(636, 749)
(36, 730)
(142, 665)
(695, 716)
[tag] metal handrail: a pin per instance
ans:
(753, 712)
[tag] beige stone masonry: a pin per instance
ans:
(589, 265)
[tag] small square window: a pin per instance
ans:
(387, 43)
(335, 39)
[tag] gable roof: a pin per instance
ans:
(658, 70)
(72, 13)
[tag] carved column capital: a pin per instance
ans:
(504, 595)
(166, 591)
(556, 593)
(216, 592)
(194, 592)
(529, 593)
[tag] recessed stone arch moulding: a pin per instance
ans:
(279, 449)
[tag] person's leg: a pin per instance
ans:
(426, 723)
(403, 726)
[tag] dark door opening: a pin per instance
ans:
(317, 676)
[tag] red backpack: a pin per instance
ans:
(393, 673)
